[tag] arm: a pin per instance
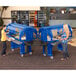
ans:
(66, 30)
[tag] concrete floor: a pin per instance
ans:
(37, 60)
(13, 60)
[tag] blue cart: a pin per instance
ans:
(21, 35)
(46, 32)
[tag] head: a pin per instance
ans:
(4, 27)
(14, 20)
(65, 25)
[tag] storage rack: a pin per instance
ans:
(20, 16)
(41, 18)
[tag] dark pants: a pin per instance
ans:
(65, 50)
(4, 47)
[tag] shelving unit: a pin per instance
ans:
(59, 16)
(41, 18)
(31, 16)
(20, 16)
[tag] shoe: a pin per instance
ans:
(3, 55)
(62, 59)
(30, 53)
(67, 57)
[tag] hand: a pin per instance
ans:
(59, 38)
(64, 39)
(9, 39)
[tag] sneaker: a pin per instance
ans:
(30, 53)
(67, 57)
(62, 59)
(3, 55)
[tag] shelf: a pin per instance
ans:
(22, 15)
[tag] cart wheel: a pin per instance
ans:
(30, 53)
(22, 55)
(51, 57)
(12, 50)
(44, 54)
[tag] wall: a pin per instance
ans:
(0, 10)
(7, 13)
(55, 22)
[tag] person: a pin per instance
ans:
(14, 20)
(3, 39)
(63, 41)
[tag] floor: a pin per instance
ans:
(13, 60)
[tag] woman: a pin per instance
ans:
(63, 41)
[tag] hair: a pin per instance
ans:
(3, 26)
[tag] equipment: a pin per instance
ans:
(48, 38)
(20, 35)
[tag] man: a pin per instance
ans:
(3, 39)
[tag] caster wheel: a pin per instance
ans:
(44, 54)
(12, 50)
(22, 55)
(30, 53)
(51, 57)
